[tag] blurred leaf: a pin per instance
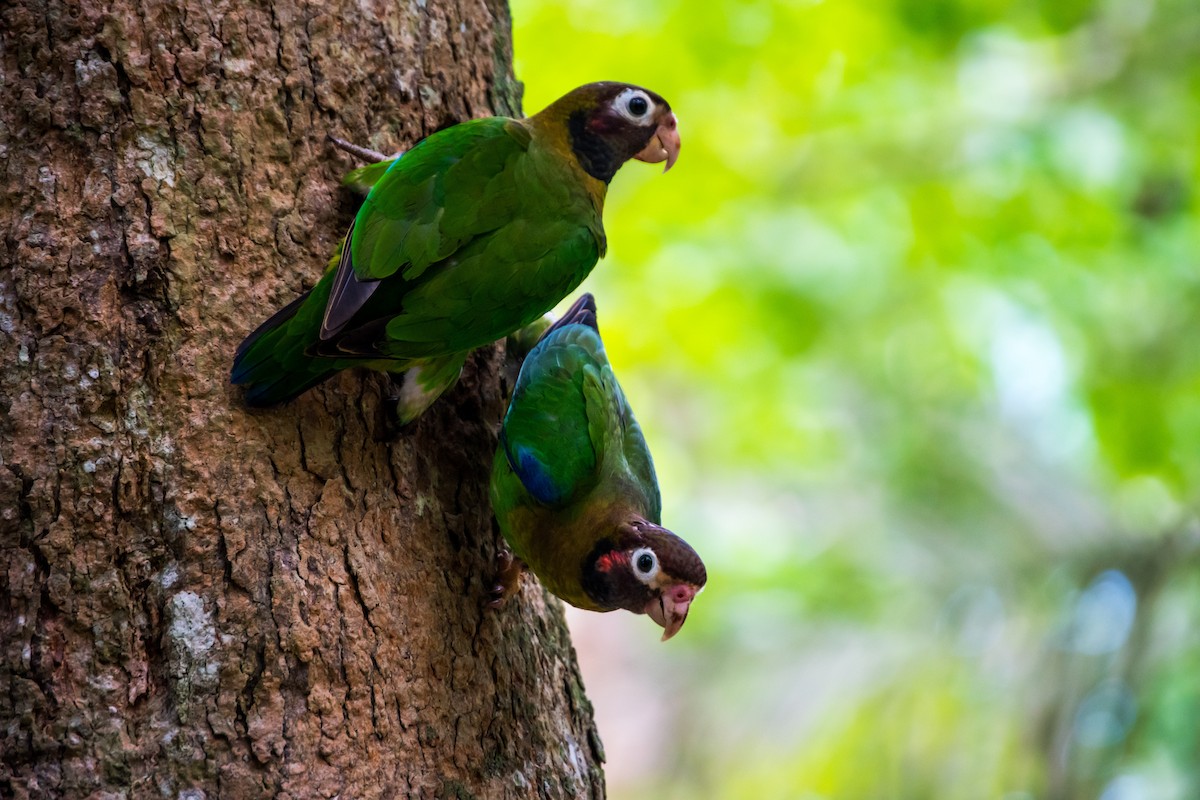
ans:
(918, 310)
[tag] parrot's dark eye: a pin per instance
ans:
(634, 105)
(645, 564)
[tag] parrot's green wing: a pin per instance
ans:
(452, 187)
(548, 431)
(640, 464)
(569, 425)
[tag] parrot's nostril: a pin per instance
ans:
(682, 594)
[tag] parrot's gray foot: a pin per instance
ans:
(508, 578)
(365, 153)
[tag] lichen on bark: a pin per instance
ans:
(198, 600)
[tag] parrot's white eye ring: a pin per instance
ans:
(645, 564)
(636, 106)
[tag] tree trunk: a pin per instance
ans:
(197, 600)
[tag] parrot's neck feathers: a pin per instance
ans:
(594, 154)
(562, 128)
(553, 143)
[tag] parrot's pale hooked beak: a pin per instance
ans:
(670, 608)
(664, 145)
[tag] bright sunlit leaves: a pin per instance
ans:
(917, 310)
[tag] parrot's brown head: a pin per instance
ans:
(609, 123)
(645, 569)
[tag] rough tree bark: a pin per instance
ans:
(201, 601)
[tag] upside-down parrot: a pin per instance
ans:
(574, 490)
(477, 231)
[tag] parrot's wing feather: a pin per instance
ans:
(518, 263)
(618, 441)
(569, 423)
(548, 431)
(452, 187)
(347, 295)
(455, 185)
(610, 418)
(641, 465)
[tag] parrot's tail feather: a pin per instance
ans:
(581, 312)
(277, 320)
(272, 362)
(287, 387)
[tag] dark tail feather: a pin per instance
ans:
(285, 387)
(581, 312)
(277, 320)
(271, 362)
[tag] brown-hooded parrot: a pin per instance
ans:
(476, 231)
(574, 490)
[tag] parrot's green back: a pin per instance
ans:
(572, 458)
(477, 231)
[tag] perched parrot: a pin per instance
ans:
(477, 231)
(574, 490)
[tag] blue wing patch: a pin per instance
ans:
(534, 475)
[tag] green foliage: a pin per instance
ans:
(916, 318)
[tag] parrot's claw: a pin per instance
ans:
(365, 153)
(508, 579)
(497, 597)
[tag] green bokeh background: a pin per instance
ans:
(912, 328)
